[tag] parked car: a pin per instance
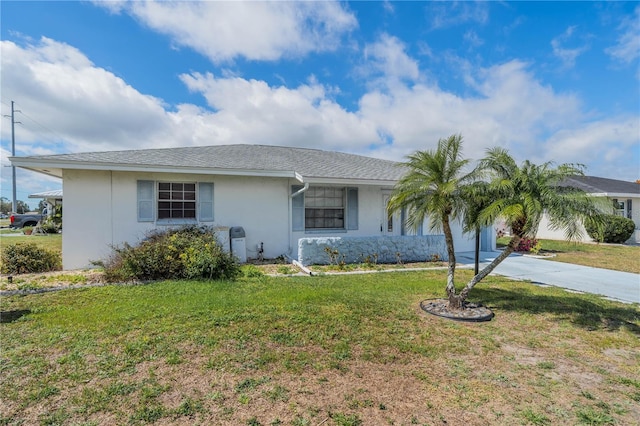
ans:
(28, 219)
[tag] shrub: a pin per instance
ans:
(528, 244)
(610, 229)
(29, 258)
(188, 252)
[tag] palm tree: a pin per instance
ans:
(521, 196)
(433, 188)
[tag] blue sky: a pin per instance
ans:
(549, 81)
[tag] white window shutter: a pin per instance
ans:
(352, 208)
(146, 198)
(297, 209)
(205, 201)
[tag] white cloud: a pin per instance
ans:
(566, 54)
(610, 146)
(448, 14)
(251, 111)
(224, 31)
(512, 110)
(91, 109)
(627, 49)
(472, 38)
(387, 59)
(86, 105)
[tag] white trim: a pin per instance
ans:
(351, 182)
(616, 194)
(45, 166)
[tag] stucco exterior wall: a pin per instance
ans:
(545, 232)
(381, 249)
(100, 211)
(87, 221)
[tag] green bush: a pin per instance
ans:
(610, 229)
(188, 252)
(29, 258)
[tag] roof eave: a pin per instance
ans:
(348, 181)
(54, 168)
(616, 194)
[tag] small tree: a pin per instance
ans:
(21, 207)
(5, 205)
(521, 195)
(433, 188)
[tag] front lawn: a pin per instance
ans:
(608, 256)
(330, 350)
(49, 241)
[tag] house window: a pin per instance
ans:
(175, 201)
(618, 208)
(324, 208)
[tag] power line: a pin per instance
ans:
(53, 137)
(60, 137)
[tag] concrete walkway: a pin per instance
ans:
(620, 286)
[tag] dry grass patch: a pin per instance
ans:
(333, 350)
(616, 257)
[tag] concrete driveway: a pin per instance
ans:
(620, 286)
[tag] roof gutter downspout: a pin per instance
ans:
(301, 190)
(291, 197)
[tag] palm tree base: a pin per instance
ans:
(470, 312)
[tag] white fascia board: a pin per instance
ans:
(350, 182)
(43, 166)
(616, 195)
(299, 177)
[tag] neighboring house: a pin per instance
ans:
(51, 199)
(624, 197)
(278, 195)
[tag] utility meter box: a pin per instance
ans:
(238, 243)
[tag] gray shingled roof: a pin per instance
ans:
(310, 163)
(599, 185)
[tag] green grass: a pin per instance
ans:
(50, 241)
(607, 256)
(301, 350)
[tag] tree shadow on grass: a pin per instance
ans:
(585, 313)
(11, 316)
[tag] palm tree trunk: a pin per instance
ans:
(451, 270)
(511, 247)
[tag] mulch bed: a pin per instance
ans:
(471, 312)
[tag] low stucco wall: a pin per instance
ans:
(388, 249)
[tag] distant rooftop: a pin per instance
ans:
(56, 193)
(600, 185)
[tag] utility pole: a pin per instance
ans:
(14, 205)
(14, 202)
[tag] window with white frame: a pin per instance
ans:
(618, 208)
(175, 201)
(324, 208)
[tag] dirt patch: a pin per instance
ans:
(50, 279)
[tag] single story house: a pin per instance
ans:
(284, 198)
(623, 195)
